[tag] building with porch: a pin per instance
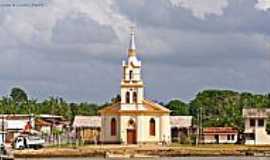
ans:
(46, 123)
(14, 124)
(181, 127)
(87, 128)
(218, 135)
(133, 118)
(255, 126)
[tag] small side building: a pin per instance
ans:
(181, 127)
(87, 128)
(15, 124)
(218, 135)
(43, 126)
(255, 126)
(46, 123)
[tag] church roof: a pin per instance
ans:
(154, 106)
(151, 107)
(114, 107)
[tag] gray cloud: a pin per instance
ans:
(74, 49)
(81, 30)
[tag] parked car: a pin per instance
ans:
(28, 141)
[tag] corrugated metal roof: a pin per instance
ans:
(87, 122)
(181, 121)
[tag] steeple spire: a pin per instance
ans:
(132, 46)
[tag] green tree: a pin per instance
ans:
(18, 95)
(219, 108)
(178, 107)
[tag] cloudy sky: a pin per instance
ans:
(74, 48)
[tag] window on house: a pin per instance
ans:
(252, 122)
(152, 127)
(260, 122)
(233, 137)
(228, 137)
(130, 75)
(113, 127)
(250, 136)
(135, 97)
(127, 97)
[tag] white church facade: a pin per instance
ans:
(134, 119)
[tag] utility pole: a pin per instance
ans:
(199, 127)
(3, 124)
(201, 124)
(3, 129)
(197, 130)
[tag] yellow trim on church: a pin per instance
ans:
(150, 106)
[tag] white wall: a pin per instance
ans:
(16, 124)
(142, 123)
(106, 136)
(261, 136)
(165, 128)
(222, 139)
(144, 130)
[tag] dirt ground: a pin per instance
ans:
(156, 150)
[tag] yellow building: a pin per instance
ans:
(134, 119)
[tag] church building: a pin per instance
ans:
(133, 119)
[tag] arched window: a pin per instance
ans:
(131, 123)
(130, 75)
(152, 127)
(124, 74)
(127, 97)
(113, 127)
(135, 97)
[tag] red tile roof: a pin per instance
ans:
(217, 130)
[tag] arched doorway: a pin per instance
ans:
(131, 132)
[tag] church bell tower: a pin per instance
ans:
(132, 87)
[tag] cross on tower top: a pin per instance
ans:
(132, 29)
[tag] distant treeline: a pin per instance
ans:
(217, 107)
(19, 103)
